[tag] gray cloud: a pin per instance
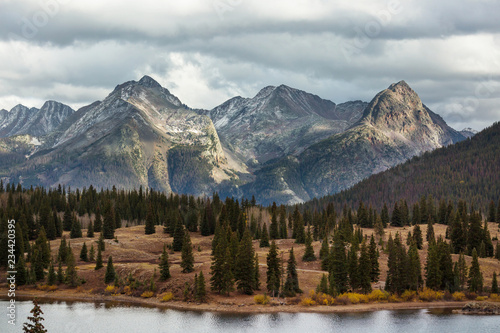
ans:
(208, 51)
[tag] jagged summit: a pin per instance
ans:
(148, 81)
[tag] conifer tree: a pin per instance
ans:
(374, 255)
(187, 262)
(37, 264)
(461, 272)
(282, 223)
(22, 273)
(417, 236)
(352, 267)
(71, 276)
(323, 285)
(384, 216)
(201, 293)
(475, 281)
(100, 243)
(60, 274)
(264, 237)
(42, 244)
(273, 227)
(445, 266)
(494, 284)
(51, 228)
(491, 212)
(35, 321)
(52, 278)
(430, 237)
(84, 253)
(364, 269)
(457, 234)
(63, 250)
(90, 230)
(150, 222)
(338, 273)
(221, 279)
(291, 286)
(164, 265)
(110, 271)
(244, 274)
(309, 251)
(475, 233)
(414, 269)
(256, 272)
(273, 270)
(325, 249)
(76, 228)
(98, 261)
(108, 226)
(67, 219)
(432, 271)
(92, 253)
(178, 236)
(97, 221)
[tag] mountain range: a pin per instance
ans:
(282, 145)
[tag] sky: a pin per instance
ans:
(207, 51)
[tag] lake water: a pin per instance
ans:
(77, 317)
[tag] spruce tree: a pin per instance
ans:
(110, 271)
(494, 284)
(325, 249)
(291, 286)
(67, 219)
(338, 273)
(37, 264)
(245, 264)
(71, 276)
(475, 281)
(364, 269)
(178, 236)
(256, 272)
(90, 230)
(35, 321)
(384, 216)
(309, 251)
(475, 233)
(150, 222)
(52, 278)
(432, 271)
(164, 265)
(60, 274)
(273, 227)
(92, 253)
(264, 237)
(187, 254)
(273, 270)
(221, 279)
(97, 221)
(323, 285)
(201, 293)
(492, 212)
(42, 244)
(461, 272)
(417, 236)
(374, 255)
(352, 268)
(98, 261)
(108, 226)
(414, 269)
(445, 266)
(430, 237)
(84, 253)
(63, 250)
(76, 228)
(100, 243)
(22, 273)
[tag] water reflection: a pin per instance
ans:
(74, 317)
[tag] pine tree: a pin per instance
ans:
(200, 293)
(291, 286)
(445, 266)
(494, 284)
(67, 219)
(273, 270)
(98, 261)
(35, 321)
(364, 269)
(164, 265)
(352, 268)
(97, 221)
(309, 252)
(323, 285)
(60, 274)
(71, 275)
(92, 253)
(432, 271)
(110, 271)
(63, 250)
(414, 269)
(52, 278)
(42, 244)
(90, 230)
(84, 253)
(492, 212)
(324, 250)
(338, 273)
(264, 238)
(374, 255)
(187, 254)
(430, 237)
(76, 228)
(417, 236)
(384, 216)
(51, 228)
(22, 273)
(475, 281)
(457, 234)
(150, 222)
(245, 265)
(221, 279)
(37, 265)
(108, 226)
(256, 279)
(460, 272)
(273, 227)
(475, 233)
(100, 243)
(178, 236)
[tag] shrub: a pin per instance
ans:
(481, 298)
(147, 294)
(167, 297)
(342, 300)
(409, 295)
(378, 295)
(471, 296)
(262, 299)
(494, 298)
(52, 288)
(127, 290)
(395, 299)
(429, 295)
(324, 299)
(111, 289)
(307, 301)
(458, 296)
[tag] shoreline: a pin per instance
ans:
(226, 308)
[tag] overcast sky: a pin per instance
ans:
(207, 51)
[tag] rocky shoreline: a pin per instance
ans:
(485, 308)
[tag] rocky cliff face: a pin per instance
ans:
(280, 121)
(394, 127)
(35, 122)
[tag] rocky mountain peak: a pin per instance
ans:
(148, 81)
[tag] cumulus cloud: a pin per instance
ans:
(206, 52)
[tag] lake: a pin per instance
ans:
(78, 317)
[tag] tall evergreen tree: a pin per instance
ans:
(76, 228)
(494, 284)
(324, 250)
(110, 271)
(374, 255)
(384, 216)
(430, 236)
(98, 261)
(364, 269)
(150, 222)
(90, 230)
(417, 237)
(22, 273)
(291, 286)
(67, 219)
(187, 262)
(461, 272)
(309, 251)
(273, 270)
(338, 269)
(71, 274)
(433, 274)
(475, 281)
(200, 291)
(256, 272)
(63, 250)
(98, 221)
(51, 278)
(352, 267)
(178, 236)
(164, 266)
(414, 269)
(245, 265)
(35, 321)
(273, 227)
(264, 237)
(492, 212)
(92, 253)
(84, 253)
(108, 226)
(475, 232)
